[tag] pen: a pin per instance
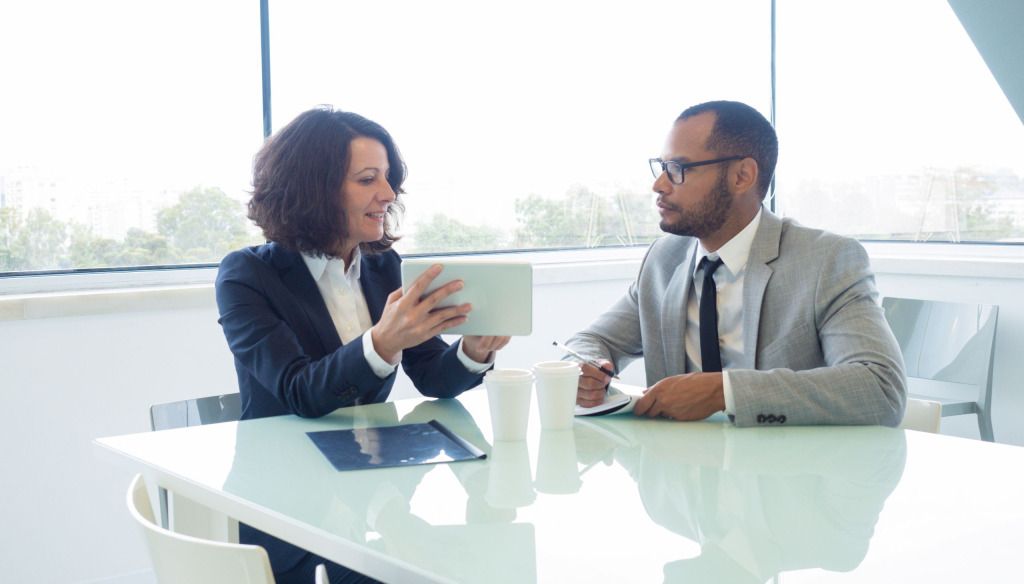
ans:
(607, 372)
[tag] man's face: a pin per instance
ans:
(700, 206)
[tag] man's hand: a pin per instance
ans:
(593, 384)
(693, 396)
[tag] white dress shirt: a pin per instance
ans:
(729, 282)
(347, 306)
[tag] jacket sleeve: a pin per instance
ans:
(616, 333)
(862, 380)
(435, 369)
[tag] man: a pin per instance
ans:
(799, 337)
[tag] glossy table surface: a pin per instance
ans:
(616, 499)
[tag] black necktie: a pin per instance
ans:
(710, 357)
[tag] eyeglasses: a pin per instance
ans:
(676, 169)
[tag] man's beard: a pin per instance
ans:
(708, 218)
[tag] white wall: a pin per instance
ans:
(65, 382)
(70, 379)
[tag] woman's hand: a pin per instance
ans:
(480, 348)
(409, 318)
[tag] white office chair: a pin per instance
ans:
(922, 415)
(949, 352)
(182, 559)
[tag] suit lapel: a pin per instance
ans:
(763, 251)
(674, 311)
(296, 277)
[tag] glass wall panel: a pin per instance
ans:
(891, 125)
(126, 132)
(524, 124)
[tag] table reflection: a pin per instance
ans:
(557, 471)
(372, 507)
(509, 483)
(759, 501)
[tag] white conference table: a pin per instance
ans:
(617, 499)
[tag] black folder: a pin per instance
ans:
(402, 445)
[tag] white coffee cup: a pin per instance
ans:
(556, 393)
(508, 397)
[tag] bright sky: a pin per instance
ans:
(159, 93)
(490, 102)
(897, 87)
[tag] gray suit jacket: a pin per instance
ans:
(817, 348)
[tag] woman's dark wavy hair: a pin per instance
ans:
(741, 130)
(297, 178)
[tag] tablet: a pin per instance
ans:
(501, 293)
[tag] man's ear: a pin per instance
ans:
(744, 175)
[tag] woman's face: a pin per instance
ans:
(365, 192)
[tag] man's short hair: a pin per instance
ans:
(741, 130)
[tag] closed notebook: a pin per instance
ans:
(402, 445)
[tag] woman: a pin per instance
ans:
(316, 318)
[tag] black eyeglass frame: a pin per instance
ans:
(684, 167)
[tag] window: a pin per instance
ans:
(126, 132)
(525, 124)
(892, 127)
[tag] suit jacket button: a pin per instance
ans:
(782, 419)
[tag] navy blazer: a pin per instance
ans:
(288, 355)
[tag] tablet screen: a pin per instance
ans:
(501, 294)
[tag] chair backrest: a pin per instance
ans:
(191, 412)
(922, 415)
(181, 559)
(946, 341)
(196, 412)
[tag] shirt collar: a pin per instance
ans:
(735, 252)
(318, 265)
